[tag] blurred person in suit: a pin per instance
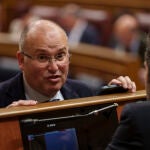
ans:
(77, 28)
(43, 59)
(133, 131)
(126, 35)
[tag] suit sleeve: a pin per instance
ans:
(126, 135)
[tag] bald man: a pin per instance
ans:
(43, 58)
(126, 36)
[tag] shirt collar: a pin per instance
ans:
(30, 93)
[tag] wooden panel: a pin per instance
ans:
(80, 102)
(10, 137)
(113, 4)
(99, 3)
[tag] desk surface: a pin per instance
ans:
(73, 103)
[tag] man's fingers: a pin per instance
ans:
(133, 87)
(26, 102)
(12, 104)
(22, 103)
(118, 81)
(129, 82)
(125, 82)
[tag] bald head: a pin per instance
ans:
(126, 22)
(38, 28)
(125, 28)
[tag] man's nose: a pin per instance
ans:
(52, 65)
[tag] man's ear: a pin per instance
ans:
(20, 58)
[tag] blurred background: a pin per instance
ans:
(108, 36)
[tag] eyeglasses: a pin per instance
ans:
(61, 58)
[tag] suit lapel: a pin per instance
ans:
(16, 89)
(68, 92)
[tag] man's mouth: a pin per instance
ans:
(54, 78)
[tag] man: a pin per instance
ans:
(133, 131)
(44, 61)
(78, 29)
(126, 34)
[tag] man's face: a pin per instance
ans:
(126, 29)
(45, 77)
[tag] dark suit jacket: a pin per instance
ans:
(91, 35)
(13, 90)
(133, 132)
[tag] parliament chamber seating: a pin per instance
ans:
(97, 62)
(104, 63)
(99, 13)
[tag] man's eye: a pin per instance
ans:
(60, 56)
(42, 58)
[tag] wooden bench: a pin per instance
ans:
(104, 63)
(98, 4)
(10, 137)
(112, 6)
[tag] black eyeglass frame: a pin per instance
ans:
(48, 60)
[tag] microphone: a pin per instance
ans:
(94, 112)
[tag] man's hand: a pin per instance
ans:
(125, 82)
(22, 103)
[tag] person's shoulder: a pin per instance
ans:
(4, 85)
(138, 105)
(136, 108)
(90, 29)
(11, 90)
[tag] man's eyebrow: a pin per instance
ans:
(63, 49)
(40, 50)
